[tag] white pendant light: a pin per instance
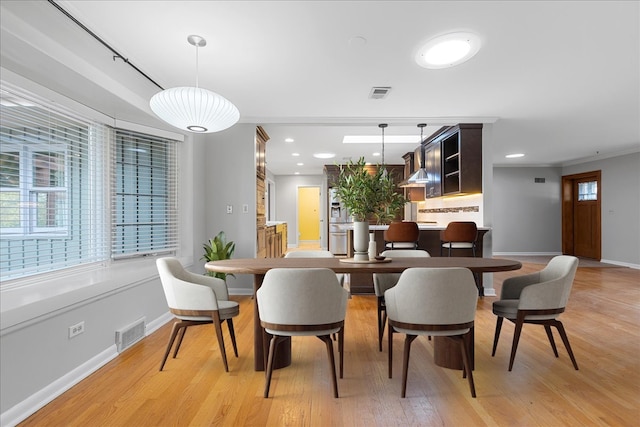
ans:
(192, 108)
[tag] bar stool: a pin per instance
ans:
(459, 235)
(402, 235)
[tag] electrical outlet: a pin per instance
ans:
(76, 329)
(229, 209)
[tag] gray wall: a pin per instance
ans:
(286, 203)
(526, 215)
(229, 178)
(620, 205)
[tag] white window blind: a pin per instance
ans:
(53, 210)
(144, 203)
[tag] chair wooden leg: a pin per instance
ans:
(382, 319)
(467, 366)
(232, 334)
(496, 335)
(183, 330)
(547, 329)
(174, 331)
(269, 365)
(332, 362)
(390, 350)
(560, 327)
(516, 337)
(341, 350)
(405, 362)
(218, 327)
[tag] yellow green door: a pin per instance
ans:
(309, 213)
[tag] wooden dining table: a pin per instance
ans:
(444, 354)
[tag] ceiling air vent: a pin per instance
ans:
(379, 92)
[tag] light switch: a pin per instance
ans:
(245, 208)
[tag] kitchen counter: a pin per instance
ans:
(429, 241)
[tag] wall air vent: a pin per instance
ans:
(379, 92)
(539, 180)
(130, 335)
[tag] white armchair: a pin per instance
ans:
(537, 298)
(196, 299)
(433, 301)
(384, 281)
(302, 302)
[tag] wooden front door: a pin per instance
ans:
(581, 220)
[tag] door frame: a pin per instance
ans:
(568, 185)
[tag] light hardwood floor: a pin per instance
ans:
(601, 320)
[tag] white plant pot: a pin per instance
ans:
(361, 241)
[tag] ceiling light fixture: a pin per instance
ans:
(448, 50)
(514, 156)
(324, 155)
(192, 108)
(421, 176)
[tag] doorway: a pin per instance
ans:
(309, 215)
(581, 217)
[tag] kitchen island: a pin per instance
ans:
(362, 283)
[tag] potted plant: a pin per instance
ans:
(216, 249)
(365, 195)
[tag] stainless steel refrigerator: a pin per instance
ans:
(338, 217)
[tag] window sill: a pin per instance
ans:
(25, 305)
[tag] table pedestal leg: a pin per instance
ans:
(446, 352)
(260, 346)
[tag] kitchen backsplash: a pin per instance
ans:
(444, 210)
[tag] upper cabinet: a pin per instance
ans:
(457, 151)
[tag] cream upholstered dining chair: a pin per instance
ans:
(384, 281)
(302, 302)
(433, 302)
(459, 235)
(537, 298)
(402, 235)
(196, 299)
(315, 254)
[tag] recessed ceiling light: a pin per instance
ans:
(324, 155)
(296, 173)
(295, 154)
(288, 140)
(377, 139)
(514, 156)
(300, 164)
(448, 50)
(376, 154)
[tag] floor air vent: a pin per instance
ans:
(130, 335)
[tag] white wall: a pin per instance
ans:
(286, 203)
(527, 215)
(229, 178)
(620, 203)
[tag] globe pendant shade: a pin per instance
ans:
(194, 109)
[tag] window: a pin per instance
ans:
(587, 191)
(74, 191)
(144, 203)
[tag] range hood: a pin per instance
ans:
(420, 177)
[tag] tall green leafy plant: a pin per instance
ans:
(368, 194)
(217, 249)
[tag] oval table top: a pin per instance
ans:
(397, 265)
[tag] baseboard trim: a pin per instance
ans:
(516, 254)
(33, 403)
(621, 264)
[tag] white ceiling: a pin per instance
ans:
(558, 81)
